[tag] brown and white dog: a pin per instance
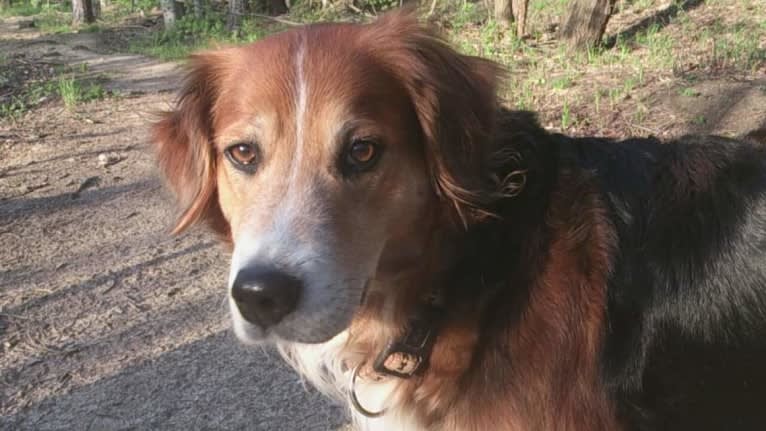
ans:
(392, 224)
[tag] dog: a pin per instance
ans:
(438, 262)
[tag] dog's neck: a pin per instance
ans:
(469, 267)
(463, 279)
(497, 291)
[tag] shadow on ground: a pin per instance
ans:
(661, 18)
(212, 383)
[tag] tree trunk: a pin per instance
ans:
(82, 12)
(503, 13)
(585, 22)
(279, 7)
(171, 12)
(199, 8)
(5, 4)
(519, 11)
(506, 11)
(96, 6)
(236, 10)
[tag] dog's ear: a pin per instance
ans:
(455, 99)
(184, 148)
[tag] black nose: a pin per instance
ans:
(265, 295)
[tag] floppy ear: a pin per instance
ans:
(455, 99)
(184, 148)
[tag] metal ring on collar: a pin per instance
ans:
(355, 401)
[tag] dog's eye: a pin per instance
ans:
(243, 156)
(362, 154)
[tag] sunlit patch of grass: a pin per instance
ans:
(21, 9)
(190, 35)
(659, 45)
(566, 116)
(688, 92)
(73, 91)
(562, 82)
(740, 48)
(52, 21)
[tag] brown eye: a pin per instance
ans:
(362, 154)
(362, 151)
(243, 156)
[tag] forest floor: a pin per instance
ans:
(107, 322)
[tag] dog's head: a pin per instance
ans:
(326, 155)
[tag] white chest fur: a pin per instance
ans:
(323, 366)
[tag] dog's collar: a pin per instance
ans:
(407, 355)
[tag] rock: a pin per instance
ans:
(105, 160)
(86, 184)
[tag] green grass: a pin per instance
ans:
(69, 89)
(564, 85)
(699, 120)
(464, 15)
(57, 18)
(562, 82)
(48, 18)
(566, 116)
(640, 5)
(688, 92)
(191, 35)
(53, 22)
(3, 62)
(739, 47)
(74, 92)
(21, 9)
(659, 46)
(33, 94)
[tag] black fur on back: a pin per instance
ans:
(685, 328)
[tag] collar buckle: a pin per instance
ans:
(407, 355)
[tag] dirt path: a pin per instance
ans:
(106, 322)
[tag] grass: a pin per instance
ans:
(563, 85)
(32, 95)
(73, 92)
(562, 82)
(4, 71)
(688, 92)
(55, 18)
(48, 18)
(21, 9)
(566, 116)
(714, 39)
(738, 48)
(191, 35)
(70, 90)
(699, 120)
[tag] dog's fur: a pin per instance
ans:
(588, 284)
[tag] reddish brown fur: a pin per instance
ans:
(552, 380)
(184, 151)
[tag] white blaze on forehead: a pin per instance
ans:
(276, 243)
(301, 97)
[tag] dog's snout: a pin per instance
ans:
(264, 296)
